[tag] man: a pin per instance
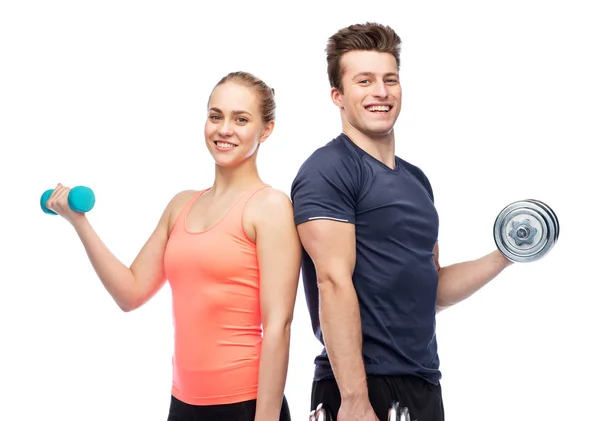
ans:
(369, 228)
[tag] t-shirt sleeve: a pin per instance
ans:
(325, 188)
(420, 175)
(428, 187)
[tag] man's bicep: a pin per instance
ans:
(332, 247)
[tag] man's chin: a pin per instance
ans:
(379, 130)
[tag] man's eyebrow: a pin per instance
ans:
(372, 74)
(363, 74)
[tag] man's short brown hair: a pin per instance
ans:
(359, 37)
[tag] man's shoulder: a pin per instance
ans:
(412, 167)
(331, 170)
(418, 173)
(335, 152)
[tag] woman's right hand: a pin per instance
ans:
(59, 203)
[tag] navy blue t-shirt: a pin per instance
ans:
(395, 276)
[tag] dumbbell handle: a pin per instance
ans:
(80, 199)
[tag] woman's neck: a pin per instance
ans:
(235, 179)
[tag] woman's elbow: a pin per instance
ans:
(279, 329)
(128, 307)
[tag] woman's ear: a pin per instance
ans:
(267, 131)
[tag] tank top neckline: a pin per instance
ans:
(244, 193)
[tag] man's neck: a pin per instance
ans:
(382, 148)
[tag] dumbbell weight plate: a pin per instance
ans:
(552, 214)
(525, 231)
(45, 196)
(397, 413)
(320, 414)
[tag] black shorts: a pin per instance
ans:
(423, 399)
(241, 411)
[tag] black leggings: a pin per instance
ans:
(241, 411)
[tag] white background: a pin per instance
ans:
(500, 104)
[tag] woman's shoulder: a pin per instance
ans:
(268, 197)
(178, 202)
(181, 198)
(267, 203)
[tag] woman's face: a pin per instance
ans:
(234, 127)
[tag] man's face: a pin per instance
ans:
(372, 95)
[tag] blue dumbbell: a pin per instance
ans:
(81, 199)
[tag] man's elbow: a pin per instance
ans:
(439, 308)
(333, 280)
(442, 304)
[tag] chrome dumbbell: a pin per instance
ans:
(398, 413)
(526, 230)
(320, 414)
(395, 413)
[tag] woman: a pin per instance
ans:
(231, 255)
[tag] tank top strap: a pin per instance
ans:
(182, 217)
(235, 214)
(251, 192)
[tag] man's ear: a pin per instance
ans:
(336, 97)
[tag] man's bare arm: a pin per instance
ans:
(459, 281)
(332, 248)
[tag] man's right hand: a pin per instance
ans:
(356, 410)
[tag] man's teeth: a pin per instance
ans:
(225, 145)
(383, 108)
